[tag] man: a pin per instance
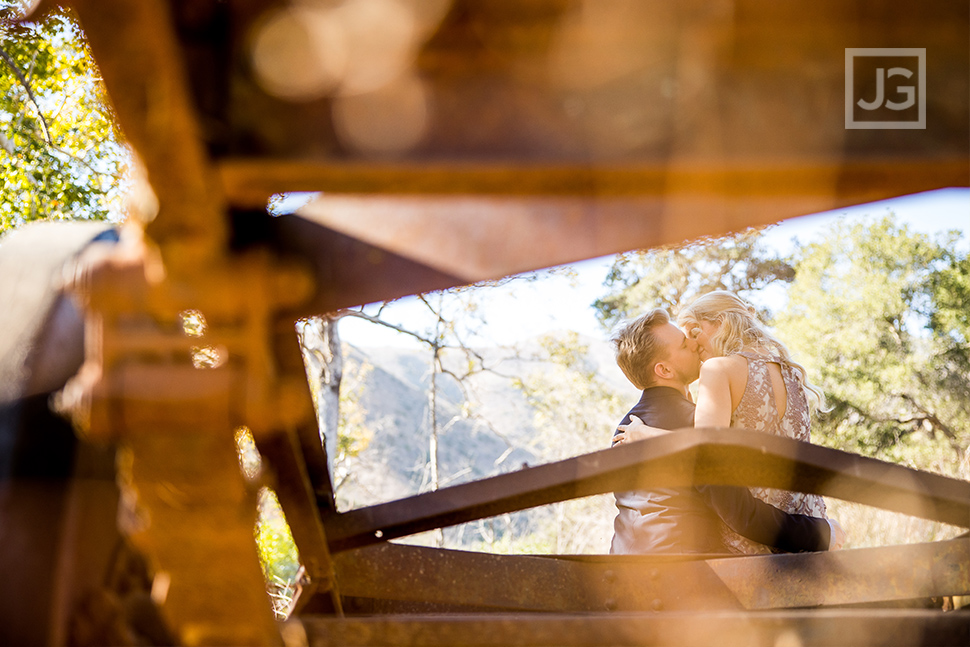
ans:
(659, 359)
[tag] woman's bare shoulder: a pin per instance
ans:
(732, 367)
(725, 363)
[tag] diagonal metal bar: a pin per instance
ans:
(486, 221)
(692, 456)
(347, 272)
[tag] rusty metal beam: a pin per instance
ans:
(347, 272)
(870, 628)
(865, 575)
(833, 181)
(458, 224)
(138, 54)
(298, 500)
(590, 583)
(691, 456)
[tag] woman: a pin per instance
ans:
(749, 380)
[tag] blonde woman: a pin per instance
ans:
(749, 380)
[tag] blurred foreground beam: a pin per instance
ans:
(393, 573)
(138, 55)
(808, 628)
(249, 182)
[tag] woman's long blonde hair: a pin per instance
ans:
(740, 330)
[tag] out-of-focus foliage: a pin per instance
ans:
(277, 553)
(874, 313)
(60, 151)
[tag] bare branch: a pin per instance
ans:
(30, 93)
(360, 314)
(71, 156)
(934, 421)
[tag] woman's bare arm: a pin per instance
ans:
(636, 429)
(714, 394)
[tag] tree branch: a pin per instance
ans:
(72, 157)
(30, 93)
(914, 423)
(360, 314)
(936, 422)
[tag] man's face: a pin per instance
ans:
(682, 356)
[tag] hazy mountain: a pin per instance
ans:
(491, 441)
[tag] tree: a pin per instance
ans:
(875, 315)
(61, 155)
(949, 320)
(669, 276)
(453, 320)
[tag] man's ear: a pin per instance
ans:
(661, 370)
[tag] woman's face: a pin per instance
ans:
(702, 333)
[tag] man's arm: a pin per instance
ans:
(753, 518)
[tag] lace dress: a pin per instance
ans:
(757, 411)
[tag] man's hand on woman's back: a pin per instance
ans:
(636, 429)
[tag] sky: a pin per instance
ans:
(521, 310)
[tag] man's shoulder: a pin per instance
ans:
(664, 407)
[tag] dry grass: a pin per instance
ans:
(869, 527)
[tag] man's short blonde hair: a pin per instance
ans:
(638, 349)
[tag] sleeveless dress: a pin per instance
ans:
(757, 411)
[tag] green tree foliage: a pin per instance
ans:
(949, 319)
(668, 276)
(60, 151)
(875, 313)
(278, 554)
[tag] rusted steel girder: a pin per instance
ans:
(138, 55)
(292, 484)
(456, 581)
(174, 365)
(681, 458)
(479, 221)
(170, 398)
(251, 182)
(813, 628)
